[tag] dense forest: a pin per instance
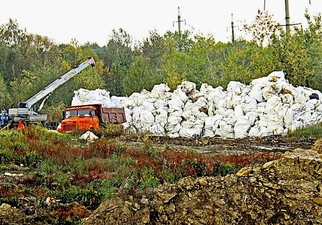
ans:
(29, 62)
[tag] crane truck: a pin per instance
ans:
(25, 112)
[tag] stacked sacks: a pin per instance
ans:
(98, 96)
(148, 111)
(267, 106)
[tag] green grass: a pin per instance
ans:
(307, 132)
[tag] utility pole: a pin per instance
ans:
(232, 29)
(179, 21)
(287, 16)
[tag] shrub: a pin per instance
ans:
(149, 182)
(107, 187)
(223, 169)
(86, 195)
(3, 168)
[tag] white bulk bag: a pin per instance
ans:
(147, 119)
(157, 129)
(250, 105)
(226, 130)
(160, 89)
(235, 87)
(175, 104)
(188, 87)
(181, 94)
(241, 127)
(256, 93)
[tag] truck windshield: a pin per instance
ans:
(80, 112)
(83, 112)
(70, 113)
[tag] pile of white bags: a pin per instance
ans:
(98, 96)
(267, 106)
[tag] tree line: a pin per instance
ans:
(29, 62)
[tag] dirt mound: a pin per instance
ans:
(284, 191)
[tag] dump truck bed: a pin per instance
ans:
(113, 115)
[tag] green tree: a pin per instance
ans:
(313, 37)
(145, 70)
(174, 63)
(140, 76)
(294, 58)
(299, 53)
(5, 97)
(13, 58)
(244, 61)
(22, 87)
(117, 58)
(205, 59)
(45, 52)
(153, 47)
(11, 34)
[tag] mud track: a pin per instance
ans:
(217, 145)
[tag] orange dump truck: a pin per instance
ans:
(90, 117)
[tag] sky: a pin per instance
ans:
(94, 20)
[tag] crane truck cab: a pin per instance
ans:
(90, 117)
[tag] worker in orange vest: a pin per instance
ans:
(21, 126)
